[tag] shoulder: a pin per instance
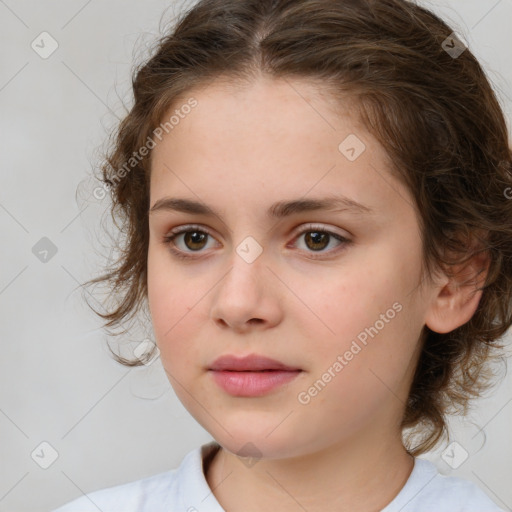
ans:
(461, 494)
(129, 497)
(428, 490)
(176, 489)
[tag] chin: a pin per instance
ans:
(256, 444)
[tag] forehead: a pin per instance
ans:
(274, 139)
(248, 111)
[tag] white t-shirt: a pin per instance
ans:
(185, 489)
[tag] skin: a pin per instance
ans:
(238, 151)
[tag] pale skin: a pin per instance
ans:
(239, 151)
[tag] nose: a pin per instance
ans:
(247, 297)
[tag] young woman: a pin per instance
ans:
(317, 201)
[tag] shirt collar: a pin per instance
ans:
(194, 491)
(196, 495)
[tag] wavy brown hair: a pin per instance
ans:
(435, 113)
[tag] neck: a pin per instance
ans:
(357, 475)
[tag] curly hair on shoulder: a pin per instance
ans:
(435, 113)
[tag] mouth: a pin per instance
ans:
(251, 376)
(250, 363)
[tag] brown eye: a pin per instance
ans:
(186, 240)
(317, 240)
(194, 240)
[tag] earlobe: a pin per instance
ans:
(457, 300)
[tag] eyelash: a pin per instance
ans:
(169, 239)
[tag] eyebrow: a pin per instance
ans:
(278, 210)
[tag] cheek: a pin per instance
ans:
(170, 301)
(366, 313)
(344, 302)
(173, 306)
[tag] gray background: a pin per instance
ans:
(110, 424)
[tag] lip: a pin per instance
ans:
(250, 363)
(252, 375)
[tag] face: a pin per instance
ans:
(332, 292)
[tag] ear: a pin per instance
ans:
(456, 299)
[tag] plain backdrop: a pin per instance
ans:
(64, 402)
